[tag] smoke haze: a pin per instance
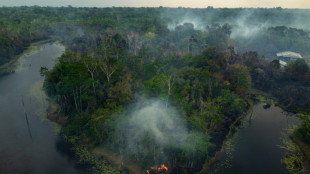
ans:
(154, 120)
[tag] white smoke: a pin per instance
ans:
(195, 20)
(244, 28)
(153, 119)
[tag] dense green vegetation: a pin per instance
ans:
(303, 132)
(120, 61)
(94, 92)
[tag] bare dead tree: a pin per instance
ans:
(91, 65)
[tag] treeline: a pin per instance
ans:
(183, 30)
(19, 28)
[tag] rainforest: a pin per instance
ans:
(154, 90)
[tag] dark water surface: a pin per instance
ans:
(254, 148)
(28, 141)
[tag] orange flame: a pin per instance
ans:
(162, 167)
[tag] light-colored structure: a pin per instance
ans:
(287, 56)
(282, 63)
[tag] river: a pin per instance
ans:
(254, 147)
(29, 142)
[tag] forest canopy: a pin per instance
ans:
(143, 82)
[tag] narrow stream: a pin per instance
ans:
(28, 141)
(254, 148)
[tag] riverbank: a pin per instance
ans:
(30, 144)
(305, 148)
(255, 96)
(257, 92)
(87, 157)
(209, 162)
(10, 66)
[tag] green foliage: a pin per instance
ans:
(303, 132)
(212, 114)
(197, 123)
(122, 92)
(293, 158)
(198, 146)
(43, 71)
(158, 84)
(85, 157)
(239, 78)
(8, 49)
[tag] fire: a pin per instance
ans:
(154, 170)
(162, 166)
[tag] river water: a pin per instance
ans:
(254, 147)
(28, 141)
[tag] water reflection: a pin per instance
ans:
(27, 138)
(254, 148)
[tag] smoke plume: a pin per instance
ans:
(155, 121)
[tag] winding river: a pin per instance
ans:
(254, 147)
(28, 141)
